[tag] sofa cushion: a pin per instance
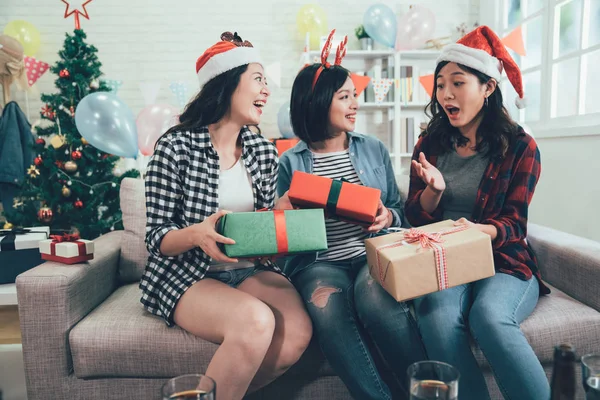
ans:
(121, 339)
(133, 249)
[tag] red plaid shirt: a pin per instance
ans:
(503, 200)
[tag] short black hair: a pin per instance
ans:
(309, 109)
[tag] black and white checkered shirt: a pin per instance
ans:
(182, 186)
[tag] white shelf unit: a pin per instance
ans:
(422, 62)
(8, 294)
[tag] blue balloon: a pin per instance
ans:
(283, 121)
(107, 124)
(381, 25)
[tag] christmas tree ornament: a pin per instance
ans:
(59, 164)
(33, 172)
(48, 112)
(72, 109)
(38, 160)
(45, 214)
(74, 9)
(64, 73)
(65, 191)
(76, 155)
(61, 107)
(69, 183)
(70, 166)
(57, 141)
(17, 203)
(78, 204)
(95, 84)
(114, 185)
(84, 141)
(67, 151)
(8, 225)
(40, 142)
(91, 191)
(74, 83)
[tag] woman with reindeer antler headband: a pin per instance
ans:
(323, 110)
(208, 163)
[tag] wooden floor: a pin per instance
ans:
(10, 331)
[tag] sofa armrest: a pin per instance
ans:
(568, 262)
(52, 298)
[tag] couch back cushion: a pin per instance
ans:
(133, 249)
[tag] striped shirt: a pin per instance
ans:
(344, 240)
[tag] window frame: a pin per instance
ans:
(493, 14)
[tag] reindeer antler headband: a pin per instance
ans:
(339, 55)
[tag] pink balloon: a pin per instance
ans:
(152, 122)
(415, 28)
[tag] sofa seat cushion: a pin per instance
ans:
(121, 339)
(559, 318)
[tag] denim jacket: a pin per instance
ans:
(370, 159)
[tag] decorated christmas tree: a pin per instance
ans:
(72, 186)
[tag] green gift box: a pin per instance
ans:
(266, 233)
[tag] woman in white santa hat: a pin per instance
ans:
(477, 166)
(209, 163)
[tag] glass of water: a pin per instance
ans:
(590, 372)
(433, 380)
(189, 387)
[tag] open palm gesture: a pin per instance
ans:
(430, 174)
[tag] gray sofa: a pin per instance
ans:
(86, 336)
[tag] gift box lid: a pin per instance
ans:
(21, 239)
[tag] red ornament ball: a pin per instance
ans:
(38, 161)
(45, 214)
(75, 154)
(40, 142)
(64, 73)
(78, 204)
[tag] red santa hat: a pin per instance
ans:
(229, 53)
(483, 51)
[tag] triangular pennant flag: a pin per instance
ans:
(381, 87)
(360, 82)
(149, 91)
(35, 69)
(273, 71)
(514, 41)
(427, 83)
(113, 84)
(179, 89)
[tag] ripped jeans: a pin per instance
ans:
(327, 288)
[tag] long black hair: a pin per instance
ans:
(497, 129)
(309, 109)
(212, 102)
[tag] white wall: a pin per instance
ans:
(568, 193)
(159, 40)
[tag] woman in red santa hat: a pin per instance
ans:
(209, 163)
(475, 165)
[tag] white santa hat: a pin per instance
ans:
(483, 51)
(225, 55)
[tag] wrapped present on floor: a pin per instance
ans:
(277, 232)
(424, 260)
(67, 249)
(284, 145)
(343, 200)
(19, 250)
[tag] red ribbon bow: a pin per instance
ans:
(427, 240)
(65, 237)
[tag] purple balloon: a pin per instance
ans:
(152, 122)
(415, 28)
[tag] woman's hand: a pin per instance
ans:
(205, 236)
(284, 203)
(429, 174)
(383, 219)
(488, 229)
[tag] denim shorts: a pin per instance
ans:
(235, 277)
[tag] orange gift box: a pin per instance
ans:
(284, 145)
(346, 201)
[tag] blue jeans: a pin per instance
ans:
(329, 293)
(491, 310)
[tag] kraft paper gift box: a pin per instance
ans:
(417, 262)
(284, 145)
(343, 200)
(278, 232)
(67, 249)
(19, 251)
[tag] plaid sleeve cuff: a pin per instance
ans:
(155, 236)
